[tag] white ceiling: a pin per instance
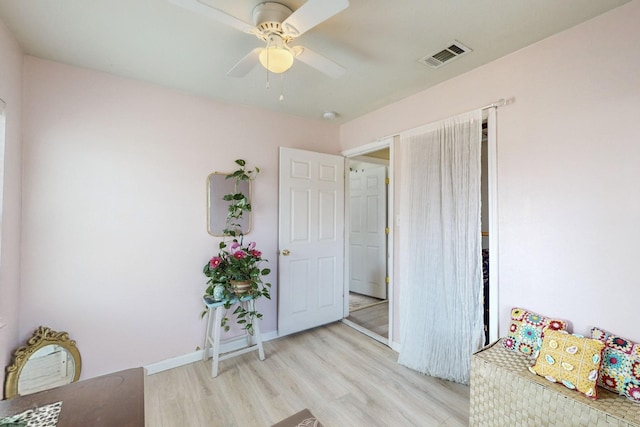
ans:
(377, 41)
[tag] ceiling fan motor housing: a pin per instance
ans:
(268, 17)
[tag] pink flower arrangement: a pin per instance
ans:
(238, 263)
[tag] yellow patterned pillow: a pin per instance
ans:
(572, 360)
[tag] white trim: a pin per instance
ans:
(173, 362)
(347, 253)
(225, 347)
(391, 223)
(492, 181)
(395, 346)
(367, 148)
(372, 160)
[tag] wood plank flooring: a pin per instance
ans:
(357, 301)
(374, 318)
(342, 376)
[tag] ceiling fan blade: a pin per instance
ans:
(246, 64)
(319, 62)
(311, 14)
(210, 11)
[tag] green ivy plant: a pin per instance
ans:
(239, 202)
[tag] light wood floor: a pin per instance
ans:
(344, 377)
(374, 318)
(357, 301)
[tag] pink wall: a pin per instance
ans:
(568, 173)
(114, 232)
(11, 93)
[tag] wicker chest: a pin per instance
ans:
(505, 393)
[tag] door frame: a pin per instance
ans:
(361, 151)
(490, 114)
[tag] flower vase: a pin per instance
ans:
(241, 287)
(218, 292)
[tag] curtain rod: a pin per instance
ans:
(499, 103)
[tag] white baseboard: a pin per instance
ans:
(225, 347)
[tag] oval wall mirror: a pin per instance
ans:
(50, 359)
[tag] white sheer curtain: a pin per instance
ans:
(441, 313)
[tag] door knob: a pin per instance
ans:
(285, 252)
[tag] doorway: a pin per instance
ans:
(368, 247)
(369, 322)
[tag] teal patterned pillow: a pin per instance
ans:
(620, 370)
(525, 331)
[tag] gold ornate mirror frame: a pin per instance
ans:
(41, 338)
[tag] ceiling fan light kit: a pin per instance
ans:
(276, 57)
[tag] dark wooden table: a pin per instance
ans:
(113, 400)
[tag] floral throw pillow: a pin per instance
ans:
(571, 360)
(525, 331)
(620, 371)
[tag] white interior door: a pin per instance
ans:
(310, 240)
(367, 236)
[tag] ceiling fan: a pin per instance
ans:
(277, 26)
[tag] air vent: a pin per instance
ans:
(438, 59)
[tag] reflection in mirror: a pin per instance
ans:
(49, 367)
(50, 359)
(368, 243)
(217, 208)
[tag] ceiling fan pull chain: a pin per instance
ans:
(267, 78)
(281, 87)
(267, 67)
